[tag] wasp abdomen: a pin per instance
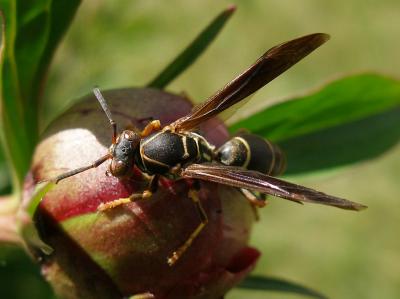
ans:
(252, 152)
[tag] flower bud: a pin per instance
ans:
(123, 251)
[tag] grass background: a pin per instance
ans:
(340, 253)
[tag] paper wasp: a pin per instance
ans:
(245, 161)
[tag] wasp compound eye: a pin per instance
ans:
(118, 168)
(130, 136)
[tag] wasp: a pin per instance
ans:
(246, 161)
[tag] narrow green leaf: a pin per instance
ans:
(58, 27)
(26, 226)
(15, 142)
(193, 51)
(280, 285)
(349, 120)
(32, 31)
(41, 190)
(5, 182)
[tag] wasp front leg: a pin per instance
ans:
(152, 126)
(194, 196)
(153, 184)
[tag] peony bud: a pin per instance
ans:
(123, 251)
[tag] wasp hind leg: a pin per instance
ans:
(194, 196)
(255, 200)
(146, 295)
(146, 194)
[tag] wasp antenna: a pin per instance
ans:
(107, 111)
(81, 169)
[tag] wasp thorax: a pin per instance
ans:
(123, 152)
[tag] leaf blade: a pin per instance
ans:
(26, 226)
(189, 55)
(27, 47)
(344, 144)
(255, 282)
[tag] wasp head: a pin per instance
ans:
(123, 152)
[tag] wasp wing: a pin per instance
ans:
(254, 180)
(269, 66)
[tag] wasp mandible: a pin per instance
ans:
(246, 161)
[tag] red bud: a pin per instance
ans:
(124, 251)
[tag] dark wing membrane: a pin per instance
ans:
(253, 180)
(269, 66)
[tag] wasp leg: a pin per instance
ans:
(153, 184)
(194, 196)
(132, 124)
(152, 126)
(146, 295)
(255, 200)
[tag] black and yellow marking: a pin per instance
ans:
(205, 151)
(247, 151)
(185, 148)
(252, 152)
(163, 150)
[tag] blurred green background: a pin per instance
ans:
(124, 43)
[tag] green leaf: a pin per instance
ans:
(193, 51)
(26, 226)
(274, 284)
(31, 32)
(349, 120)
(17, 270)
(5, 182)
(41, 190)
